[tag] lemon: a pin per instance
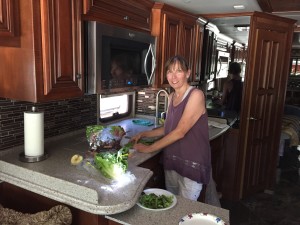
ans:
(76, 159)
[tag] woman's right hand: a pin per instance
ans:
(136, 138)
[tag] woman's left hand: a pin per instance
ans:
(142, 148)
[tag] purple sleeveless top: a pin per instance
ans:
(190, 156)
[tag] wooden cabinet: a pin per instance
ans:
(17, 198)
(217, 152)
(196, 76)
(178, 34)
(224, 156)
(209, 53)
(229, 163)
(9, 23)
(263, 101)
(158, 179)
(48, 64)
(132, 14)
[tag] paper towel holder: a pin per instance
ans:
(31, 159)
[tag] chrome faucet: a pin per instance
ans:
(157, 104)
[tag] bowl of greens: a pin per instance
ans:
(156, 199)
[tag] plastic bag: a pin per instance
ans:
(104, 138)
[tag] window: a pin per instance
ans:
(295, 67)
(113, 107)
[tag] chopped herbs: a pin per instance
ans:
(154, 201)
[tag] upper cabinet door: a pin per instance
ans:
(176, 33)
(47, 64)
(196, 76)
(131, 14)
(61, 48)
(9, 23)
(188, 41)
(170, 44)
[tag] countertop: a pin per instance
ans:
(57, 179)
(217, 111)
(139, 216)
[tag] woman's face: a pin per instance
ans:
(116, 71)
(176, 76)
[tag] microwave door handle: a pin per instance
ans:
(150, 50)
(153, 62)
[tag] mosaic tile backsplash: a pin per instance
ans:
(62, 116)
(146, 102)
(59, 117)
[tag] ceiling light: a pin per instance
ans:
(239, 7)
(242, 27)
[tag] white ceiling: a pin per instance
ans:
(225, 25)
(213, 6)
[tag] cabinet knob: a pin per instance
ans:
(126, 18)
(253, 118)
(78, 76)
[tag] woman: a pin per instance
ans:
(233, 89)
(186, 155)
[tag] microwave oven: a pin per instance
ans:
(118, 59)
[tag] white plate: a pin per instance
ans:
(201, 218)
(158, 191)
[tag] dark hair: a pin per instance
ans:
(235, 68)
(177, 58)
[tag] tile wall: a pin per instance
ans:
(62, 116)
(59, 117)
(146, 102)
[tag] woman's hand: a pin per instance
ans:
(136, 138)
(142, 148)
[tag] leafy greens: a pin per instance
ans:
(113, 164)
(154, 201)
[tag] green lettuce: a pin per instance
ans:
(113, 164)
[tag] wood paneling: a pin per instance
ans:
(131, 14)
(48, 65)
(279, 5)
(9, 23)
(178, 34)
(24, 201)
(263, 101)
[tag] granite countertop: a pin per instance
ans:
(217, 111)
(57, 179)
(140, 216)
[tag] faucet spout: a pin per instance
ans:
(157, 102)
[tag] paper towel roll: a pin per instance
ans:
(34, 133)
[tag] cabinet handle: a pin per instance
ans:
(126, 18)
(253, 118)
(78, 76)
